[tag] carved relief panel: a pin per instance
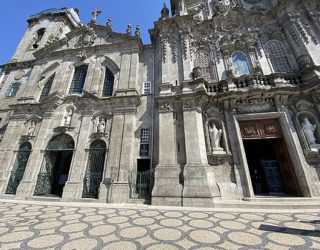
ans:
(260, 129)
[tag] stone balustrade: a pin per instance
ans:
(254, 82)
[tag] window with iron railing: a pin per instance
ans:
(144, 142)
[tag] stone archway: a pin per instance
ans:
(56, 165)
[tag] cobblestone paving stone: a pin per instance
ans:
(47, 226)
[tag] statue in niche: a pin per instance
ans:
(32, 128)
(68, 117)
(101, 128)
(309, 129)
(215, 138)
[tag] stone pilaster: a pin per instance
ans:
(134, 71)
(199, 181)
(124, 71)
(186, 58)
(74, 185)
(29, 181)
(9, 143)
(167, 190)
(115, 187)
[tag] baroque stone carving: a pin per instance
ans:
(215, 138)
(304, 105)
(166, 106)
(68, 117)
(197, 73)
(309, 131)
(224, 6)
(101, 128)
(255, 105)
(32, 128)
(88, 38)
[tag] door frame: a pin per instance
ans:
(293, 145)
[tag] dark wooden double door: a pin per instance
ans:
(271, 169)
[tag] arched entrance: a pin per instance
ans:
(19, 167)
(55, 168)
(94, 172)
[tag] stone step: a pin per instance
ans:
(280, 199)
(138, 201)
(293, 204)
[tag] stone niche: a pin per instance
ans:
(216, 141)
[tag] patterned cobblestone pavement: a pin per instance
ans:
(50, 226)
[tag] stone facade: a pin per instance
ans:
(223, 105)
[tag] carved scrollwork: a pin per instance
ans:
(88, 38)
(166, 106)
(260, 129)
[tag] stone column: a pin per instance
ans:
(199, 182)
(167, 190)
(73, 188)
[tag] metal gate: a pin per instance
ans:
(141, 184)
(57, 144)
(94, 173)
(19, 168)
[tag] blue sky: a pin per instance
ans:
(14, 13)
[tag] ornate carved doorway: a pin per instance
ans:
(55, 169)
(271, 169)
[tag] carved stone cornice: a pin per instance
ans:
(17, 65)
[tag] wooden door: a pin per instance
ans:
(286, 166)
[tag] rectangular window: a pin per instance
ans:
(144, 142)
(147, 88)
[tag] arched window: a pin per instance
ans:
(202, 61)
(19, 167)
(46, 88)
(278, 57)
(78, 80)
(108, 83)
(94, 172)
(13, 90)
(240, 64)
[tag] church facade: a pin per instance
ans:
(223, 105)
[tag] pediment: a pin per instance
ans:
(86, 37)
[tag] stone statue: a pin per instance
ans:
(101, 128)
(309, 129)
(67, 118)
(215, 137)
(109, 23)
(223, 6)
(31, 129)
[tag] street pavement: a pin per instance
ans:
(56, 225)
